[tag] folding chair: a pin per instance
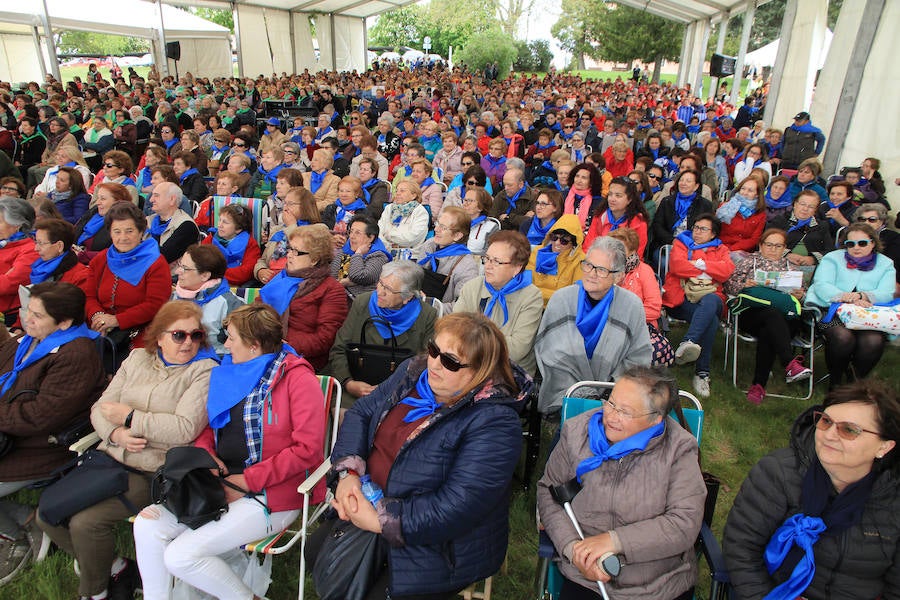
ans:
(258, 209)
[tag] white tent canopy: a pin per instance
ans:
(765, 55)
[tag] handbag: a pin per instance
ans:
(349, 562)
(878, 317)
(434, 285)
(97, 476)
(373, 363)
(663, 353)
(695, 288)
(759, 296)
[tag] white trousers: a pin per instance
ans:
(167, 548)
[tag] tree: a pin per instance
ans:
(533, 56)
(398, 28)
(576, 29)
(82, 42)
(485, 48)
(511, 13)
(628, 33)
(225, 18)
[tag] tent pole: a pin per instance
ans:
(749, 14)
(333, 44)
(365, 44)
(36, 37)
(720, 48)
(293, 42)
(51, 45)
(161, 34)
(237, 39)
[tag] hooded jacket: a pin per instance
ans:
(568, 264)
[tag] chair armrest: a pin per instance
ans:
(315, 477)
(712, 552)
(85, 443)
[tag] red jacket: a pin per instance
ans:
(743, 234)
(601, 226)
(313, 321)
(244, 272)
(293, 437)
(718, 266)
(15, 270)
(134, 306)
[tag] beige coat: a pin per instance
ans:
(327, 192)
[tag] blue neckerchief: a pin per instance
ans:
(280, 290)
(279, 235)
(377, 246)
(270, 176)
(803, 531)
(170, 143)
(344, 213)
(425, 404)
(229, 383)
(683, 206)
(536, 233)
(548, 165)
(129, 181)
(579, 155)
(545, 261)
(323, 133)
(217, 150)
(428, 182)
(91, 228)
(13, 238)
(233, 249)
(512, 200)
(544, 147)
(591, 319)
(42, 269)
(519, 282)
(408, 170)
(495, 162)
(429, 138)
(367, 189)
(783, 202)
(686, 238)
(187, 174)
(158, 226)
(747, 211)
(613, 222)
(400, 319)
(144, 178)
(478, 220)
(43, 348)
(655, 188)
(206, 352)
(132, 265)
(204, 296)
(604, 451)
(830, 206)
(315, 180)
(801, 223)
(566, 136)
(451, 250)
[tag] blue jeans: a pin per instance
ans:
(703, 319)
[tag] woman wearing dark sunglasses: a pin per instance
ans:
(858, 275)
(557, 262)
(441, 437)
(876, 216)
(156, 401)
(818, 519)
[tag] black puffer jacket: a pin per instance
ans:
(862, 562)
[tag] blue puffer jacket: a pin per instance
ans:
(447, 495)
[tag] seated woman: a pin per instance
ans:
(117, 168)
(156, 401)
(12, 187)
(548, 207)
(621, 208)
(154, 156)
(506, 295)
(831, 490)
(858, 275)
(613, 452)
(320, 180)
(299, 209)
(53, 240)
(239, 164)
(557, 264)
(447, 261)
(129, 281)
(876, 216)
(17, 253)
(698, 266)
(755, 157)
(232, 237)
(477, 204)
(808, 239)
(432, 193)
(404, 222)
(839, 209)
(585, 193)
(284, 181)
(99, 139)
(189, 178)
(376, 193)
(91, 230)
(640, 280)
(266, 432)
(473, 176)
(678, 212)
(172, 228)
(228, 184)
(743, 217)
(312, 304)
(201, 279)
(591, 330)
(772, 329)
(70, 197)
(357, 266)
(807, 178)
(396, 300)
(66, 156)
(466, 392)
(645, 193)
(50, 378)
(778, 200)
(350, 202)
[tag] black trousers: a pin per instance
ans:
(773, 332)
(846, 347)
(573, 591)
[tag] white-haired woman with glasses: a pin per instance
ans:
(592, 330)
(818, 519)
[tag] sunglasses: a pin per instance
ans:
(845, 429)
(471, 182)
(179, 335)
(563, 239)
(448, 362)
(110, 165)
(240, 145)
(854, 243)
(867, 219)
(649, 176)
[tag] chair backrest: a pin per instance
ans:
(257, 207)
(331, 390)
(247, 294)
(662, 269)
(787, 173)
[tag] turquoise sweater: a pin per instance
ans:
(833, 278)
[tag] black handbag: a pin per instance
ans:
(97, 476)
(434, 285)
(349, 562)
(373, 363)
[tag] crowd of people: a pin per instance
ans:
(493, 234)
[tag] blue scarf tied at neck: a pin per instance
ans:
(451, 250)
(132, 265)
(158, 226)
(233, 249)
(591, 318)
(231, 382)
(400, 319)
(604, 451)
(537, 233)
(783, 201)
(280, 290)
(682, 207)
(205, 296)
(42, 269)
(614, 223)
(686, 238)
(56, 339)
(512, 200)
(91, 228)
(801, 223)
(315, 180)
(186, 174)
(423, 406)
(367, 189)
(519, 282)
(206, 352)
(545, 261)
(344, 213)
(377, 246)
(271, 176)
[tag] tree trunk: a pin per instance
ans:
(657, 68)
(580, 61)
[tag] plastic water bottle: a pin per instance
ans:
(406, 254)
(372, 491)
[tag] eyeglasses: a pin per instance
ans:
(807, 206)
(236, 145)
(387, 287)
(9, 188)
(441, 227)
(179, 335)
(652, 176)
(599, 271)
(624, 412)
(110, 166)
(772, 246)
(701, 228)
(854, 243)
(845, 429)
(861, 219)
(38, 242)
(541, 203)
(561, 238)
(295, 252)
(468, 164)
(288, 152)
(568, 127)
(471, 182)
(490, 260)
(181, 267)
(450, 363)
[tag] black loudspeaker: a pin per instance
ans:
(721, 65)
(173, 50)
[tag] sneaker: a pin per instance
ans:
(123, 584)
(687, 352)
(795, 371)
(756, 393)
(701, 385)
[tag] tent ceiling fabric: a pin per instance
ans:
(346, 8)
(685, 11)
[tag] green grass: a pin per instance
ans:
(626, 75)
(736, 435)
